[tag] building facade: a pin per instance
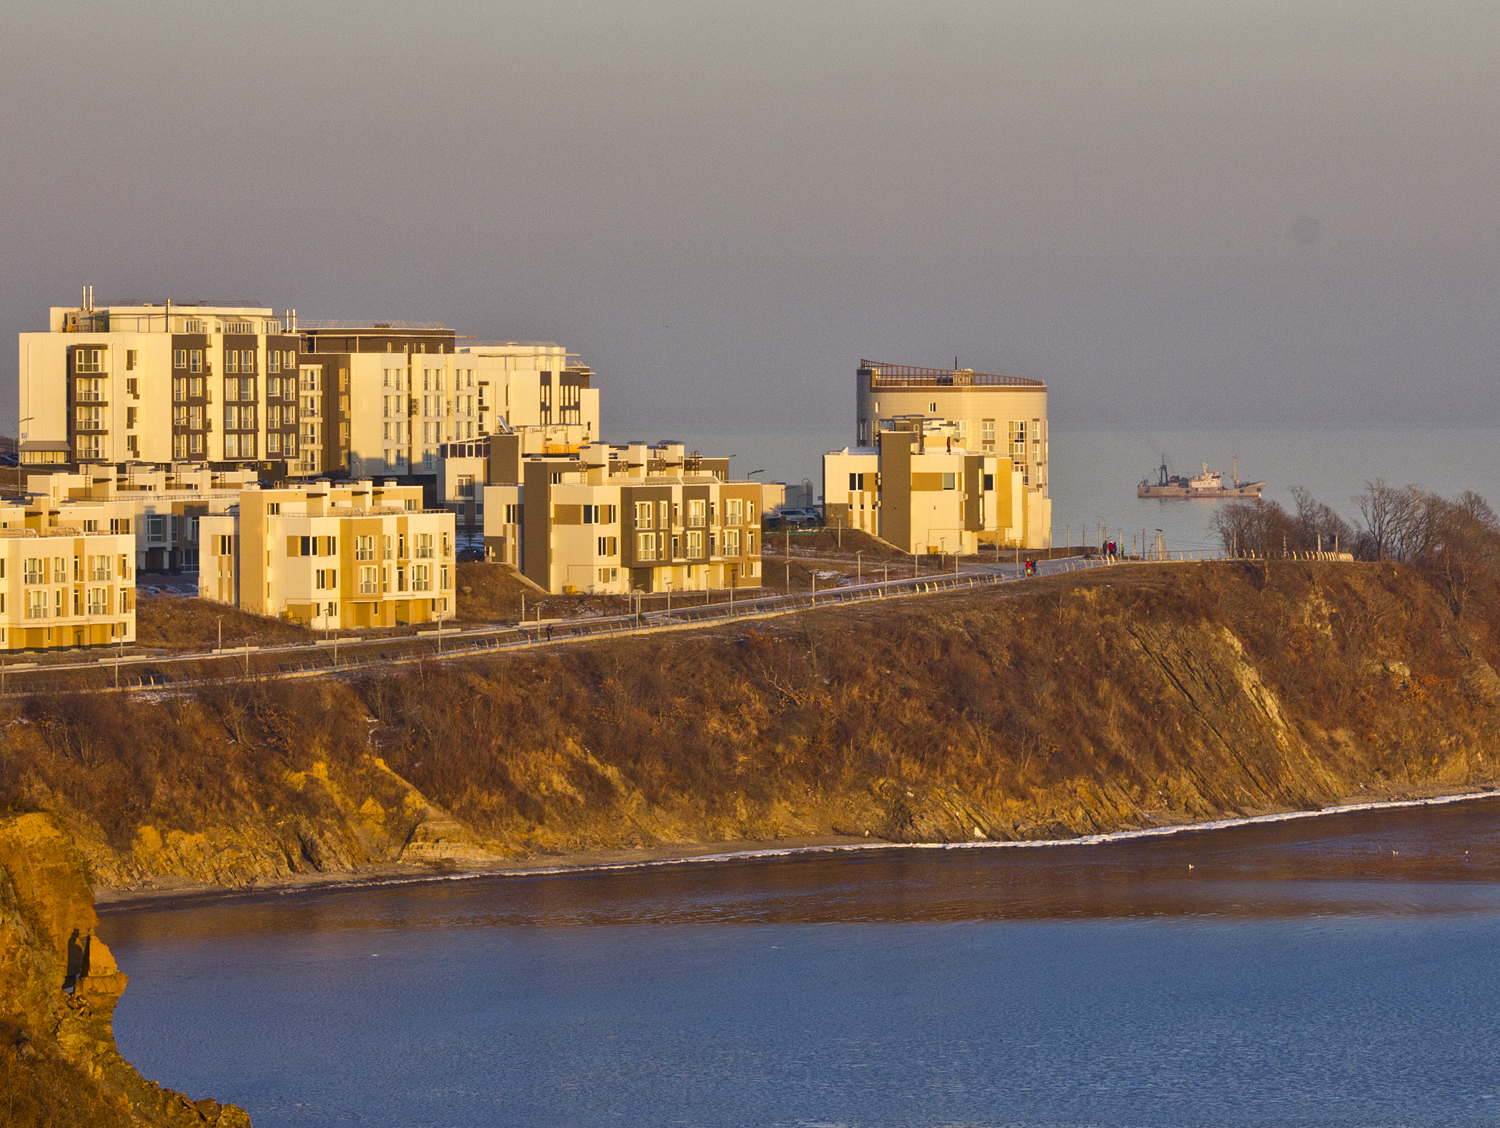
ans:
(922, 491)
(235, 385)
(62, 587)
(332, 556)
(613, 520)
(1005, 416)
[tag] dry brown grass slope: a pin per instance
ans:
(1118, 698)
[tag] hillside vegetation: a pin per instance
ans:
(1124, 697)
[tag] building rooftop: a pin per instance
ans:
(910, 376)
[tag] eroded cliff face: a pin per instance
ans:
(1114, 699)
(58, 990)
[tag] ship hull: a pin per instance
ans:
(1187, 493)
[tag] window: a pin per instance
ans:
(856, 483)
(247, 361)
(731, 542)
(59, 569)
(734, 511)
(607, 546)
(645, 545)
(88, 446)
(643, 511)
(466, 489)
(195, 387)
(364, 548)
(697, 514)
(950, 481)
(421, 577)
(388, 547)
(369, 580)
(247, 385)
(195, 361)
(132, 416)
(155, 530)
(88, 360)
(662, 511)
(231, 417)
(273, 361)
(231, 360)
(130, 355)
(89, 418)
(36, 604)
(273, 443)
(695, 543)
(423, 542)
(36, 569)
(989, 482)
(328, 578)
(179, 358)
(98, 601)
(932, 407)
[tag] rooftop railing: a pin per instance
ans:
(910, 376)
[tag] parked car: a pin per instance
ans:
(470, 555)
(799, 518)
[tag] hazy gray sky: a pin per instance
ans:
(1189, 214)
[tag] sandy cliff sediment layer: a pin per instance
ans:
(1120, 698)
(58, 990)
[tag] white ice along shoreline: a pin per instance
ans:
(851, 847)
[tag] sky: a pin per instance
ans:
(1210, 214)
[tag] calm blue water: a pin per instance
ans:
(1337, 971)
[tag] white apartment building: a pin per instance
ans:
(332, 556)
(149, 382)
(235, 385)
(386, 397)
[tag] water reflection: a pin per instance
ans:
(1440, 859)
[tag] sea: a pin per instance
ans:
(1094, 473)
(1339, 969)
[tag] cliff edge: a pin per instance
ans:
(1113, 699)
(58, 990)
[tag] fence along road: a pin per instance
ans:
(323, 657)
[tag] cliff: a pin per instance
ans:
(58, 989)
(1123, 697)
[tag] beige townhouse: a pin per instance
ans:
(613, 520)
(332, 556)
(921, 490)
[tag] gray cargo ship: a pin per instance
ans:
(1210, 484)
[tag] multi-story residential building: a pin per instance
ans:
(62, 586)
(920, 489)
(235, 385)
(160, 508)
(614, 520)
(384, 398)
(332, 556)
(1000, 415)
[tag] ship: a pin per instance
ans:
(1210, 484)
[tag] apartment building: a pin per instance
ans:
(920, 489)
(332, 556)
(155, 382)
(62, 586)
(229, 384)
(159, 507)
(991, 414)
(612, 520)
(385, 397)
